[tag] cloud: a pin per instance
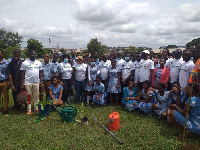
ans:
(114, 15)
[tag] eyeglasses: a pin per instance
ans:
(176, 52)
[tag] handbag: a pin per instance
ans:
(24, 97)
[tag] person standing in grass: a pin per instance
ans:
(55, 66)
(146, 68)
(46, 72)
(113, 82)
(126, 70)
(92, 74)
(185, 69)
(66, 77)
(55, 91)
(100, 94)
(80, 70)
(31, 77)
(130, 95)
(15, 77)
(4, 82)
(149, 98)
(193, 120)
(162, 98)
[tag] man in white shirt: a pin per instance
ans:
(185, 69)
(136, 67)
(174, 67)
(119, 60)
(146, 69)
(126, 69)
(103, 68)
(31, 76)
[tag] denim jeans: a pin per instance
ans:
(80, 88)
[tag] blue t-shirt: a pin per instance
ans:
(55, 91)
(128, 93)
(99, 88)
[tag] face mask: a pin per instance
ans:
(127, 58)
(92, 63)
(66, 60)
(118, 58)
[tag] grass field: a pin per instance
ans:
(137, 131)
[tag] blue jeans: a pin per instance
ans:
(80, 88)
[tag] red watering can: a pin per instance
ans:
(114, 121)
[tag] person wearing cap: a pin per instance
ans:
(80, 70)
(174, 67)
(146, 69)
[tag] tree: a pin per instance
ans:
(62, 50)
(9, 41)
(133, 49)
(194, 42)
(33, 44)
(95, 46)
(171, 46)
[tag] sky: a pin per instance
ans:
(73, 23)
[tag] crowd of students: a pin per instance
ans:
(144, 82)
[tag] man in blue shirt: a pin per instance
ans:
(47, 75)
(4, 81)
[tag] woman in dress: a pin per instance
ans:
(145, 104)
(113, 82)
(162, 97)
(130, 94)
(178, 115)
(92, 74)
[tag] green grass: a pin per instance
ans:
(136, 131)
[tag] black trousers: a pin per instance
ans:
(14, 94)
(66, 90)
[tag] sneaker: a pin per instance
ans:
(28, 112)
(36, 111)
(5, 113)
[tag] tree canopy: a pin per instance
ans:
(194, 42)
(9, 41)
(95, 46)
(33, 44)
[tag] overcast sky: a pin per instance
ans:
(72, 23)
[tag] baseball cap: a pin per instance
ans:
(146, 51)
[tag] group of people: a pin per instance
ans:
(145, 82)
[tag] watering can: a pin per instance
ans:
(67, 113)
(114, 121)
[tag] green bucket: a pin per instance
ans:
(67, 113)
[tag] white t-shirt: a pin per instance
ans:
(136, 66)
(145, 67)
(167, 64)
(174, 67)
(66, 70)
(31, 70)
(80, 71)
(119, 63)
(185, 70)
(126, 69)
(103, 67)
